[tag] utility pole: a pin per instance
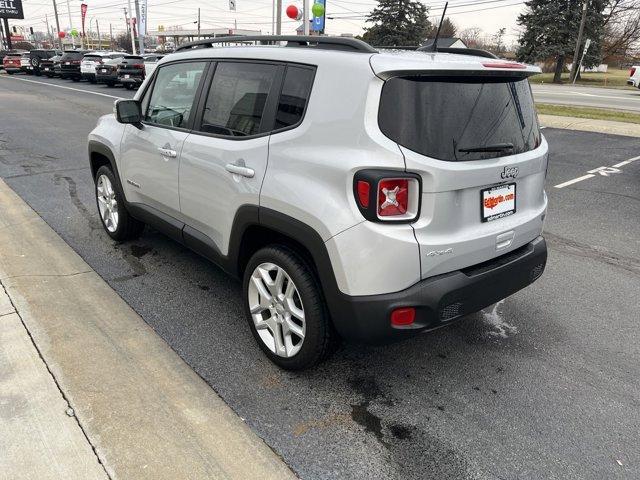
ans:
(98, 28)
(198, 23)
(278, 17)
(110, 37)
(55, 13)
(574, 66)
(138, 23)
(130, 23)
(7, 33)
(305, 17)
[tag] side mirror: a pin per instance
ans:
(127, 111)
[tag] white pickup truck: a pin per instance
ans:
(634, 76)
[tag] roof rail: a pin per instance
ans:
(323, 43)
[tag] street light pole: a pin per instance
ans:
(574, 65)
(278, 17)
(55, 13)
(98, 28)
(305, 16)
(73, 39)
(133, 40)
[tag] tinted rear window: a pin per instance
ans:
(441, 116)
(294, 96)
(73, 55)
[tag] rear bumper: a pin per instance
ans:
(105, 77)
(131, 80)
(89, 76)
(12, 69)
(441, 299)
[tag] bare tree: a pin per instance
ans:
(622, 30)
(472, 37)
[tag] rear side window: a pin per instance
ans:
(237, 98)
(452, 118)
(173, 94)
(294, 96)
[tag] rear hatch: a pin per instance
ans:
(471, 133)
(70, 61)
(89, 63)
(12, 60)
(131, 66)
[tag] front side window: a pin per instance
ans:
(237, 98)
(174, 91)
(460, 118)
(294, 96)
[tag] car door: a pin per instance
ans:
(150, 152)
(225, 158)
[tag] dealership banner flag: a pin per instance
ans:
(143, 17)
(83, 11)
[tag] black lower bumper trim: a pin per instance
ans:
(441, 299)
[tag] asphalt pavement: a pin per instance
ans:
(543, 385)
(577, 95)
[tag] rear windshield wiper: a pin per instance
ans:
(498, 147)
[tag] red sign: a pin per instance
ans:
(83, 11)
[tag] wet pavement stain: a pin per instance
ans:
(140, 251)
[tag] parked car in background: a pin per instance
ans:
(50, 67)
(634, 76)
(151, 62)
(70, 64)
(11, 62)
(3, 53)
(107, 71)
(36, 57)
(24, 63)
(131, 71)
(92, 60)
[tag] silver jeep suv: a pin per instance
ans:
(358, 194)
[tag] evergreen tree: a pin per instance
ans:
(448, 30)
(397, 23)
(551, 31)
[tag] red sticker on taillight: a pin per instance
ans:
(393, 197)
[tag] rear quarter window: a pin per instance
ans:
(444, 117)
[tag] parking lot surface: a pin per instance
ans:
(542, 385)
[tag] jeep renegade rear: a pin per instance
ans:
(358, 194)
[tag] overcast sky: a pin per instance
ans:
(489, 15)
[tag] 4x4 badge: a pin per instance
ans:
(509, 172)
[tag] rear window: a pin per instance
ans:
(73, 55)
(447, 118)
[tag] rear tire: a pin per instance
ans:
(110, 84)
(285, 309)
(75, 79)
(115, 218)
(9, 73)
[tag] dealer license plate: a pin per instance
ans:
(498, 202)
(46, 69)
(127, 76)
(67, 63)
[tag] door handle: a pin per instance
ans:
(239, 170)
(167, 152)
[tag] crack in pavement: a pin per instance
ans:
(600, 254)
(55, 381)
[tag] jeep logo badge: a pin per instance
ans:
(509, 172)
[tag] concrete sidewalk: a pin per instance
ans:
(88, 390)
(590, 125)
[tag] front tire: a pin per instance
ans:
(115, 218)
(285, 309)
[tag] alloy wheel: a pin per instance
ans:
(107, 203)
(276, 309)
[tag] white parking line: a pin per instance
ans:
(575, 180)
(62, 86)
(626, 162)
(602, 171)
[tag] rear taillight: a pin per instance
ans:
(387, 195)
(632, 72)
(138, 65)
(393, 197)
(76, 62)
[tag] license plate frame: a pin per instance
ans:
(498, 201)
